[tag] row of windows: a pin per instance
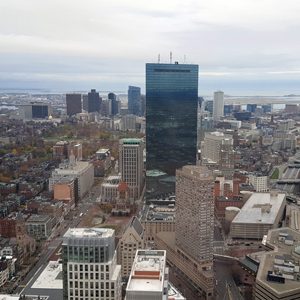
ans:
(88, 267)
(91, 285)
(88, 276)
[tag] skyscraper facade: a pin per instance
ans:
(134, 100)
(90, 269)
(218, 106)
(171, 123)
(194, 221)
(94, 101)
(131, 165)
(73, 102)
(114, 104)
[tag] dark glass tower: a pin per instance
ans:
(134, 100)
(73, 102)
(114, 104)
(94, 101)
(171, 123)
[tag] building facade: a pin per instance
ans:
(171, 122)
(73, 102)
(134, 100)
(94, 101)
(131, 165)
(218, 105)
(90, 269)
(194, 221)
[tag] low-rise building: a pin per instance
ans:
(7, 269)
(278, 275)
(261, 212)
(39, 226)
(259, 182)
(109, 188)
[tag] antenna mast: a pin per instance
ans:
(158, 58)
(170, 57)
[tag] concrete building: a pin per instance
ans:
(131, 165)
(35, 110)
(278, 274)
(195, 213)
(148, 278)
(218, 106)
(128, 123)
(7, 269)
(39, 226)
(158, 218)
(73, 102)
(132, 239)
(261, 212)
(217, 148)
(65, 190)
(259, 182)
(109, 188)
(82, 170)
(90, 269)
(102, 162)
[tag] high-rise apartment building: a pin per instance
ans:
(171, 122)
(73, 102)
(131, 165)
(90, 270)
(94, 101)
(134, 100)
(194, 221)
(218, 105)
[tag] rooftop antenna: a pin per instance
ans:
(184, 59)
(170, 57)
(158, 58)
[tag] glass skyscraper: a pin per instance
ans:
(171, 123)
(134, 100)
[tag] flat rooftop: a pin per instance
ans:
(282, 251)
(260, 208)
(148, 271)
(88, 232)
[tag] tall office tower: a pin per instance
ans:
(194, 222)
(134, 100)
(85, 102)
(90, 270)
(148, 278)
(114, 104)
(94, 101)
(131, 165)
(73, 102)
(171, 123)
(251, 108)
(218, 110)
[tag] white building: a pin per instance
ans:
(218, 105)
(261, 212)
(131, 165)
(82, 170)
(259, 182)
(109, 188)
(128, 123)
(90, 269)
(148, 278)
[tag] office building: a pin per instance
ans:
(259, 182)
(83, 171)
(251, 108)
(39, 226)
(85, 102)
(73, 102)
(35, 110)
(90, 269)
(194, 221)
(171, 123)
(128, 123)
(132, 239)
(278, 274)
(134, 100)
(131, 165)
(94, 101)
(218, 106)
(261, 212)
(114, 104)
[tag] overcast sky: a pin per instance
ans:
(241, 46)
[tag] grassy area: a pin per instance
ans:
(275, 174)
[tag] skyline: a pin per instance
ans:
(242, 48)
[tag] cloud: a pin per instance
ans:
(97, 40)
